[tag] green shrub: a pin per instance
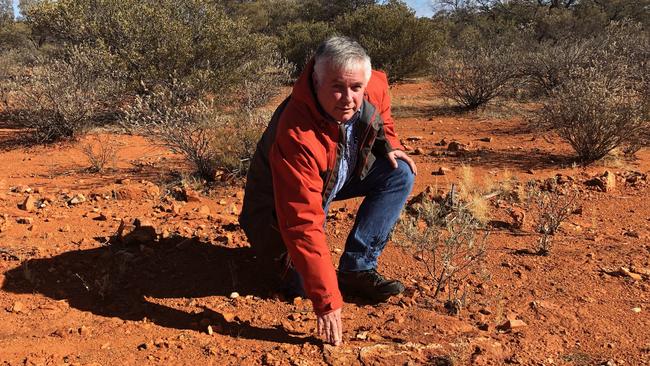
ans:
(298, 41)
(397, 41)
(193, 41)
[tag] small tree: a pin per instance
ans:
(397, 41)
(298, 41)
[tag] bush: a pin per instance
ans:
(192, 41)
(448, 240)
(596, 111)
(552, 207)
(474, 75)
(622, 46)
(397, 41)
(101, 151)
(60, 97)
(298, 41)
(212, 141)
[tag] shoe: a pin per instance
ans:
(291, 285)
(369, 285)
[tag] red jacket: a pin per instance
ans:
(302, 157)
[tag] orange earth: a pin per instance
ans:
(188, 292)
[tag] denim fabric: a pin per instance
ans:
(385, 190)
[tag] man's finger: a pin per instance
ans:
(321, 329)
(411, 164)
(339, 332)
(393, 161)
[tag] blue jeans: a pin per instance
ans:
(385, 190)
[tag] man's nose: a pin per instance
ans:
(347, 95)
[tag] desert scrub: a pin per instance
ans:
(100, 151)
(448, 239)
(550, 206)
(61, 97)
(212, 140)
(474, 75)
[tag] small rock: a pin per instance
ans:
(486, 139)
(25, 220)
(65, 229)
(512, 324)
(17, 308)
(362, 335)
(418, 151)
(21, 189)
(77, 199)
(191, 195)
(29, 204)
(456, 146)
(636, 310)
(441, 171)
(210, 331)
(530, 171)
(84, 331)
(234, 295)
(626, 272)
(228, 317)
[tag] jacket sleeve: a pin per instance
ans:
(298, 202)
(384, 110)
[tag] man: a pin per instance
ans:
(331, 139)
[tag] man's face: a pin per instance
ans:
(340, 92)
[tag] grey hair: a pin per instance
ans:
(341, 54)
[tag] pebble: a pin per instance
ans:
(17, 307)
(29, 204)
(25, 220)
(77, 199)
(636, 310)
(234, 295)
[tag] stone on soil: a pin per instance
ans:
(29, 204)
(77, 199)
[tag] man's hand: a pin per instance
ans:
(399, 154)
(330, 327)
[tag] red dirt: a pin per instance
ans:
(69, 296)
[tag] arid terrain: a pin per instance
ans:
(82, 282)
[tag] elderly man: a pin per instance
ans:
(331, 139)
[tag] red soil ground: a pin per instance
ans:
(68, 296)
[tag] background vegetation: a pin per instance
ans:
(176, 69)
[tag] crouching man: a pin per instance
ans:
(331, 139)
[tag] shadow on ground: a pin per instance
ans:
(118, 281)
(517, 159)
